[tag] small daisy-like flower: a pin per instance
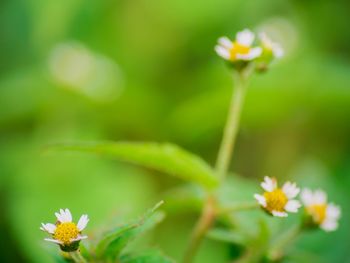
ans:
(270, 47)
(65, 233)
(278, 201)
(270, 51)
(323, 214)
(240, 49)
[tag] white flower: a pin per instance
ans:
(278, 201)
(65, 232)
(270, 46)
(324, 214)
(240, 49)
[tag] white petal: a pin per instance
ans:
(53, 240)
(225, 42)
(59, 216)
(68, 215)
(277, 50)
(333, 212)
(49, 228)
(265, 39)
(329, 225)
(261, 200)
(222, 52)
(253, 53)
(269, 184)
(307, 197)
(43, 227)
(82, 222)
(290, 189)
(63, 214)
(320, 197)
(269, 44)
(79, 238)
(279, 214)
(245, 37)
(292, 206)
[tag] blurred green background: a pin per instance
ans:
(141, 70)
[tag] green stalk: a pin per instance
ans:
(232, 125)
(277, 250)
(201, 228)
(77, 257)
(230, 133)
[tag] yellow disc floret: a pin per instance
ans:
(65, 232)
(318, 212)
(238, 49)
(275, 200)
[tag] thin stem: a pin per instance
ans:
(232, 125)
(201, 228)
(224, 157)
(276, 251)
(77, 257)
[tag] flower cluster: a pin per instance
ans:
(64, 232)
(242, 50)
(279, 201)
(319, 211)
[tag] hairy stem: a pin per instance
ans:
(77, 257)
(224, 157)
(232, 125)
(201, 228)
(277, 250)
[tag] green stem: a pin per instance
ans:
(201, 228)
(224, 156)
(277, 250)
(77, 257)
(232, 125)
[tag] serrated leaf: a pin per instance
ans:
(154, 256)
(111, 237)
(166, 158)
(115, 247)
(114, 242)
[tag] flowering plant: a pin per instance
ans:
(217, 213)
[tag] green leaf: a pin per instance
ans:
(153, 256)
(257, 247)
(166, 158)
(111, 237)
(111, 245)
(184, 199)
(115, 247)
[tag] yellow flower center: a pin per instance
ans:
(275, 200)
(318, 212)
(65, 232)
(238, 49)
